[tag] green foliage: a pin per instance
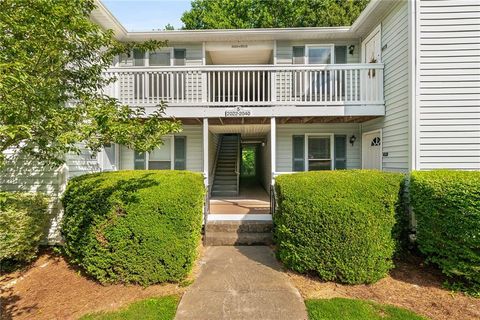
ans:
(447, 210)
(248, 161)
(245, 14)
(23, 218)
(51, 61)
(162, 308)
(134, 226)
(352, 309)
(338, 224)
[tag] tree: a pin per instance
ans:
(244, 14)
(168, 26)
(52, 58)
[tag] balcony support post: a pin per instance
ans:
(205, 151)
(273, 148)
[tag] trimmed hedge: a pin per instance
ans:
(447, 210)
(23, 217)
(134, 226)
(338, 224)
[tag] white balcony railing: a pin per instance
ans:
(249, 85)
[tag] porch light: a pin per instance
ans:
(353, 139)
(351, 48)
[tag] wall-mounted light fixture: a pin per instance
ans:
(351, 49)
(353, 139)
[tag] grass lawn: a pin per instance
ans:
(162, 308)
(351, 309)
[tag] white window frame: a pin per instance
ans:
(320, 45)
(332, 148)
(172, 153)
(380, 132)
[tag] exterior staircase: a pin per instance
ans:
(225, 181)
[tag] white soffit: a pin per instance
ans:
(246, 130)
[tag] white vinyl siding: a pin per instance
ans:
(449, 84)
(194, 150)
(394, 28)
(285, 132)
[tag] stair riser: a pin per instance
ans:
(224, 193)
(221, 239)
(240, 228)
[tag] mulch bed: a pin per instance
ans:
(411, 285)
(51, 289)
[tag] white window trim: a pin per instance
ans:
(380, 131)
(172, 153)
(332, 147)
(320, 45)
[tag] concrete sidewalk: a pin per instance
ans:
(241, 283)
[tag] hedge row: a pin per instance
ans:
(23, 218)
(338, 224)
(134, 226)
(447, 209)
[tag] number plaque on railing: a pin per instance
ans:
(238, 112)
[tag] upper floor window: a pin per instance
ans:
(320, 54)
(160, 57)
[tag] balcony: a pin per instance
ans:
(252, 85)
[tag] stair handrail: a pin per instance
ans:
(214, 169)
(237, 165)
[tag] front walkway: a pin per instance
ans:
(241, 283)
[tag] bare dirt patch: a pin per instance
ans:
(411, 285)
(51, 289)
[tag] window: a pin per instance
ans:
(320, 54)
(138, 57)
(180, 150)
(171, 155)
(159, 58)
(179, 57)
(340, 151)
(139, 160)
(319, 153)
(160, 158)
(298, 153)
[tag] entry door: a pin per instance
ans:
(371, 53)
(372, 150)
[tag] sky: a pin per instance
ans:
(146, 15)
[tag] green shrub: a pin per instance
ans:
(338, 224)
(447, 210)
(23, 217)
(134, 226)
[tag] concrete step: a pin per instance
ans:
(249, 226)
(236, 239)
(225, 176)
(225, 182)
(224, 193)
(226, 187)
